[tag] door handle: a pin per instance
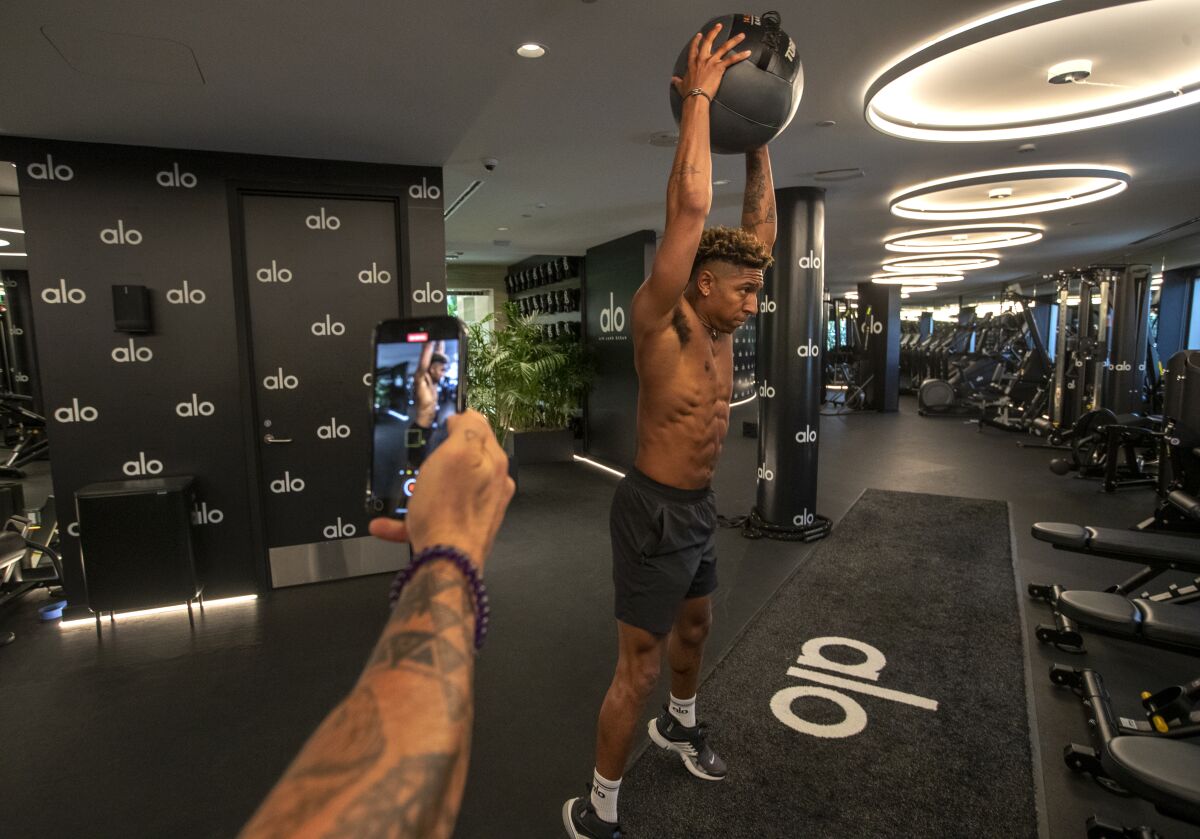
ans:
(271, 438)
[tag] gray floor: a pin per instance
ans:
(155, 730)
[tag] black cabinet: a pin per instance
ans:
(136, 541)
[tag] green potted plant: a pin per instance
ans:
(527, 386)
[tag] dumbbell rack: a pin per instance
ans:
(551, 288)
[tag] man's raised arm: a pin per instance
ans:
(758, 205)
(689, 188)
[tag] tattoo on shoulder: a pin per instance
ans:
(402, 803)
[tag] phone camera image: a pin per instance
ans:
(416, 392)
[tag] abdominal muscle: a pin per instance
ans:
(683, 406)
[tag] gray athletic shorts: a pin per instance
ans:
(664, 549)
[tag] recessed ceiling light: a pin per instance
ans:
(963, 237)
(848, 174)
(4, 243)
(531, 50)
(928, 278)
(851, 295)
(826, 123)
(664, 139)
(502, 228)
(954, 262)
(975, 195)
(973, 83)
(721, 182)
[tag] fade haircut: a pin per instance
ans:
(735, 245)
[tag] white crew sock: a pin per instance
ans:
(683, 710)
(604, 796)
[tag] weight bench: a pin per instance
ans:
(1158, 620)
(1163, 769)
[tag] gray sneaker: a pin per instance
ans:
(691, 744)
(582, 822)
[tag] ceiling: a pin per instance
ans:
(439, 84)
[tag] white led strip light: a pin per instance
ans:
(162, 610)
(926, 278)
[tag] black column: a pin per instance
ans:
(790, 347)
(879, 336)
(1174, 297)
(1127, 358)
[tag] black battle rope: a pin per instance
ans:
(753, 527)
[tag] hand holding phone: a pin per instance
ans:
(465, 490)
(420, 380)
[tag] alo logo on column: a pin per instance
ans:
(201, 514)
(274, 274)
(281, 381)
(373, 276)
(50, 171)
(429, 294)
(328, 328)
(287, 484)
(142, 467)
(186, 296)
(132, 354)
(334, 431)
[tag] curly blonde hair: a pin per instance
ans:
(731, 244)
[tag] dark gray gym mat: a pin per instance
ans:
(927, 580)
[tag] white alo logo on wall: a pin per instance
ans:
(870, 327)
(339, 530)
(818, 670)
(765, 474)
(322, 221)
(201, 514)
(765, 391)
(274, 274)
(424, 190)
(281, 381)
(132, 354)
(429, 294)
(20, 377)
(77, 413)
(186, 296)
(174, 178)
(767, 306)
(120, 236)
(612, 317)
(333, 431)
(142, 467)
(809, 350)
(287, 484)
(50, 171)
(328, 327)
(369, 379)
(808, 435)
(373, 276)
(811, 261)
(61, 293)
(195, 408)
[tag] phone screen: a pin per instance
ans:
(420, 382)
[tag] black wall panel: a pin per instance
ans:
(615, 270)
(176, 401)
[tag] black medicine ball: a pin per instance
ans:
(758, 96)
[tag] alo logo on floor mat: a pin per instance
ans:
(339, 530)
(818, 670)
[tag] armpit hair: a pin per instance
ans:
(681, 326)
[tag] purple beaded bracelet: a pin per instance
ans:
(463, 563)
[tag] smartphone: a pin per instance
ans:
(420, 381)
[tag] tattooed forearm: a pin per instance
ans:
(683, 171)
(346, 746)
(391, 759)
(758, 206)
(398, 804)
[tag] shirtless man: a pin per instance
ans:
(430, 370)
(703, 286)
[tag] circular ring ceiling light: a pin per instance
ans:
(928, 278)
(1015, 74)
(916, 289)
(940, 262)
(999, 193)
(963, 237)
